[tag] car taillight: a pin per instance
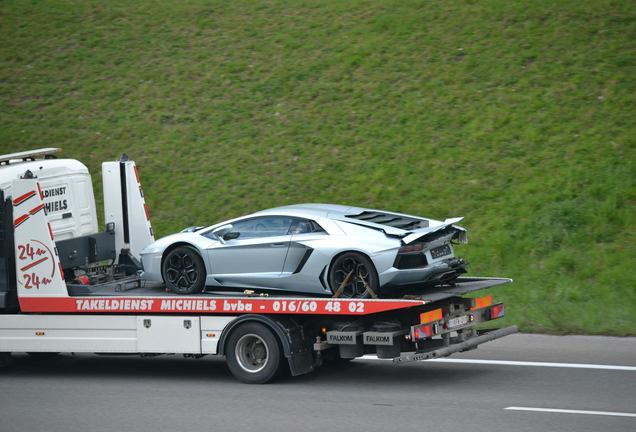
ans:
(414, 247)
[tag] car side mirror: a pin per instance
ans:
(231, 235)
(225, 232)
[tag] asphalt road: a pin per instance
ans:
(97, 393)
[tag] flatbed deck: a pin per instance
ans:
(134, 286)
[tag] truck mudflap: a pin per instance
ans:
(458, 346)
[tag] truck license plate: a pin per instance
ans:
(457, 322)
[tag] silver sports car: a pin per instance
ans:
(319, 249)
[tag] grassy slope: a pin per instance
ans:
(520, 117)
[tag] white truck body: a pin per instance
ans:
(112, 333)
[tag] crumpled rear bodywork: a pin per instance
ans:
(424, 234)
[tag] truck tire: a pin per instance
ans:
(253, 353)
(183, 271)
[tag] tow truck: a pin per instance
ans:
(67, 288)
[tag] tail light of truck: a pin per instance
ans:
(496, 311)
(423, 331)
(431, 316)
(481, 302)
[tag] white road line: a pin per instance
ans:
(524, 363)
(568, 411)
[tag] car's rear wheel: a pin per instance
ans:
(353, 275)
(253, 353)
(183, 271)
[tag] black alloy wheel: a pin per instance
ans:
(183, 271)
(353, 275)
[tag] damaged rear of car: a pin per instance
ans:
(426, 255)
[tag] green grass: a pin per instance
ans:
(519, 116)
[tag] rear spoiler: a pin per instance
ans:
(423, 232)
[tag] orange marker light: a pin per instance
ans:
(430, 316)
(482, 302)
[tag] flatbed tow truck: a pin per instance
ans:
(84, 294)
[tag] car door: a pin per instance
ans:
(256, 257)
(306, 235)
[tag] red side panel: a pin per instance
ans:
(214, 305)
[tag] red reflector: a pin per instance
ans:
(51, 232)
(423, 331)
(147, 211)
(497, 311)
(136, 173)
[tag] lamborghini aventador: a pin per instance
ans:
(315, 249)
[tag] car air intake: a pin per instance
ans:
(410, 261)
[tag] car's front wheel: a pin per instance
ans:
(183, 271)
(353, 275)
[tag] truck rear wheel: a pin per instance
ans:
(253, 353)
(183, 271)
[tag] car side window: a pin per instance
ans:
(304, 226)
(266, 226)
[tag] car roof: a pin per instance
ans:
(395, 223)
(400, 223)
(309, 210)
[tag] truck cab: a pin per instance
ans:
(67, 188)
